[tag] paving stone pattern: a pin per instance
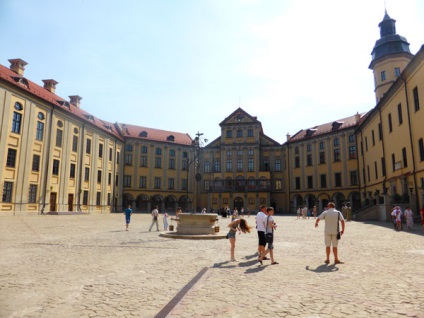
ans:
(89, 266)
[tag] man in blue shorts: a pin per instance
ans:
(128, 212)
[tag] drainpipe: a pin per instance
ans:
(288, 178)
(47, 163)
(411, 142)
(384, 152)
(81, 165)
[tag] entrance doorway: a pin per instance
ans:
(53, 196)
(238, 203)
(70, 202)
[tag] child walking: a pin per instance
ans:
(165, 221)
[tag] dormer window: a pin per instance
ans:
(89, 117)
(143, 134)
(336, 125)
(21, 80)
(310, 131)
(170, 138)
(63, 103)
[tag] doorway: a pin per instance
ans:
(53, 196)
(70, 202)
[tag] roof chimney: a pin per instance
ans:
(288, 136)
(50, 85)
(18, 66)
(75, 99)
(357, 117)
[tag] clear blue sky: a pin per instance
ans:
(185, 65)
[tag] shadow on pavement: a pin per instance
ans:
(323, 268)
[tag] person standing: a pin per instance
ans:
(155, 215)
(409, 215)
(422, 216)
(128, 212)
(332, 218)
(270, 226)
(239, 225)
(260, 228)
(165, 221)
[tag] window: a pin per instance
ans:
(416, 99)
(321, 157)
(323, 180)
(390, 122)
(296, 162)
(157, 183)
(32, 195)
(336, 154)
(297, 183)
(338, 179)
(128, 159)
(207, 166)
(310, 182)
(100, 150)
(110, 154)
(98, 198)
(143, 161)
(380, 132)
(266, 164)
(143, 182)
(229, 153)
(239, 153)
(218, 166)
(366, 144)
(109, 178)
(35, 163)
(16, 123)
(321, 145)
(351, 138)
(354, 178)
(250, 152)
(383, 167)
(278, 184)
(368, 173)
(393, 162)
(11, 158)
(59, 137)
(87, 174)
(74, 143)
(88, 146)
(143, 149)
(185, 154)
(421, 149)
(308, 147)
(55, 171)
(352, 152)
(184, 165)
(85, 198)
(171, 163)
(39, 132)
(7, 191)
(127, 181)
(250, 164)
(116, 180)
(99, 176)
(375, 170)
(172, 152)
(72, 171)
(183, 184)
(399, 107)
(229, 166)
(239, 164)
(277, 165)
(309, 160)
(397, 71)
(373, 137)
(239, 133)
(250, 133)
(171, 182)
(158, 151)
(336, 142)
(129, 148)
(206, 185)
(229, 134)
(404, 157)
(117, 157)
(383, 76)
(296, 150)
(158, 162)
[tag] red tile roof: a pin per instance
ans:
(11, 77)
(153, 134)
(330, 127)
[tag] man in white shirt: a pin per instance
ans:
(270, 226)
(332, 218)
(155, 215)
(260, 227)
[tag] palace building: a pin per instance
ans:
(59, 158)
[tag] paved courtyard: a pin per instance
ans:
(89, 266)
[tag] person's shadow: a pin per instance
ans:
(323, 268)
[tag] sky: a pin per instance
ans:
(185, 65)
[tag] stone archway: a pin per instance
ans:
(142, 203)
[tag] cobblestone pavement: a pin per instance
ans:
(89, 266)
